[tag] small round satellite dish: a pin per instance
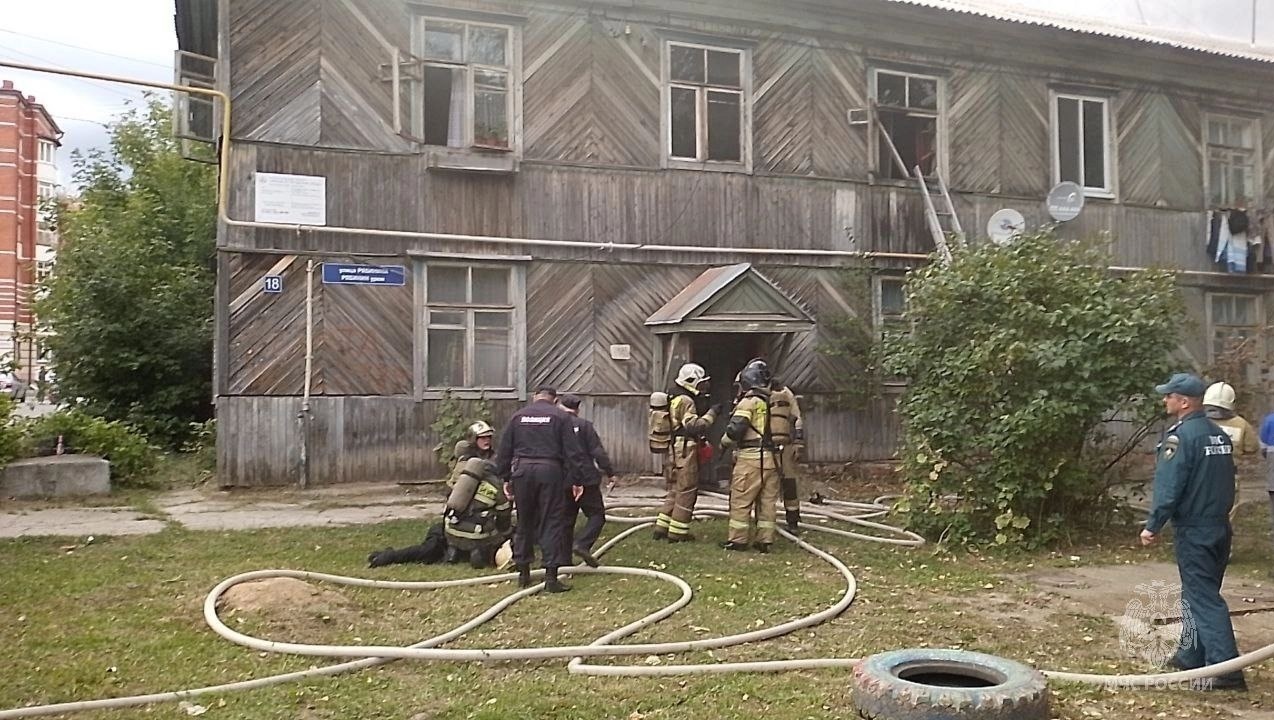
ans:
(1004, 226)
(1065, 201)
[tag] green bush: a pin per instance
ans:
(131, 455)
(1017, 359)
(11, 442)
(201, 445)
(452, 418)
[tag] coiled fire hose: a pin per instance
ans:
(860, 515)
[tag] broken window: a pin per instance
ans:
(465, 84)
(1082, 142)
(907, 106)
(1231, 155)
(705, 103)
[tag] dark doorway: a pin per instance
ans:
(723, 355)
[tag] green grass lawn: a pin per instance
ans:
(122, 616)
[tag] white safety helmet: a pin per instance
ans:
(1220, 395)
(480, 429)
(504, 556)
(690, 376)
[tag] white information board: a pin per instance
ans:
(291, 199)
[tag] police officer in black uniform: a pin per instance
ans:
(1194, 490)
(543, 465)
(591, 503)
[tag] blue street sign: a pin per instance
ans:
(348, 274)
(272, 284)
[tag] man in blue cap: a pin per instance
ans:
(1194, 489)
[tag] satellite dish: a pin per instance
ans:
(1065, 201)
(1004, 226)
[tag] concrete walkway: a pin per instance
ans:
(238, 510)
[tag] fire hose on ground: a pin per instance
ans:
(359, 657)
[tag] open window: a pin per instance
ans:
(195, 116)
(1232, 152)
(465, 84)
(1082, 143)
(707, 105)
(908, 108)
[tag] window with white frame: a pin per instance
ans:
(469, 319)
(908, 107)
(48, 151)
(1231, 161)
(465, 88)
(1081, 142)
(46, 194)
(1234, 330)
(707, 103)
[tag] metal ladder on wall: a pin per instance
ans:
(942, 219)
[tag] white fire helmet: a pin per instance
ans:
(690, 376)
(1220, 395)
(504, 556)
(480, 429)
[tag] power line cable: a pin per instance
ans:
(84, 81)
(85, 49)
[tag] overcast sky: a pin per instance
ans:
(96, 35)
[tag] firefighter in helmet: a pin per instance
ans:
(478, 516)
(788, 433)
(478, 442)
(754, 487)
(690, 421)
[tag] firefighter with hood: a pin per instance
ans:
(478, 442)
(688, 421)
(788, 434)
(754, 487)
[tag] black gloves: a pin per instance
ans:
(719, 409)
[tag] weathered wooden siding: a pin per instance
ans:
(274, 70)
(592, 91)
(1159, 148)
(998, 133)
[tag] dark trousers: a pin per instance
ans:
(542, 498)
(594, 509)
(1202, 554)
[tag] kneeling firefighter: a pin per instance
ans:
(687, 425)
(788, 433)
(478, 442)
(754, 487)
(478, 517)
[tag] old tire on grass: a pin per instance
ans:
(926, 684)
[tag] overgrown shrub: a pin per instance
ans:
(131, 455)
(452, 418)
(11, 442)
(201, 445)
(1017, 356)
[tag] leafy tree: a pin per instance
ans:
(1018, 357)
(131, 304)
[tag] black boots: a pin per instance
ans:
(738, 547)
(552, 584)
(794, 521)
(524, 576)
(661, 533)
(588, 557)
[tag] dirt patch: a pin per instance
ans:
(1114, 591)
(286, 604)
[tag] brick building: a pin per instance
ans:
(29, 139)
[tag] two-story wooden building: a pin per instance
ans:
(484, 195)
